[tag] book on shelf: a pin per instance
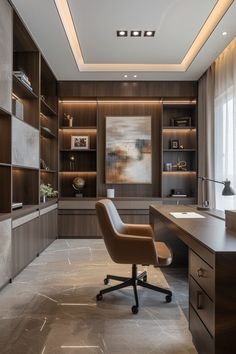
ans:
(179, 195)
(23, 77)
(17, 205)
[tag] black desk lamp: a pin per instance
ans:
(227, 191)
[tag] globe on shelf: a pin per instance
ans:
(78, 184)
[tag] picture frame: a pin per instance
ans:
(181, 122)
(174, 144)
(79, 142)
(128, 150)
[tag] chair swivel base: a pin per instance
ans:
(135, 280)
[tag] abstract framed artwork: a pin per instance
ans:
(128, 150)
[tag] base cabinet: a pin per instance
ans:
(5, 252)
(25, 238)
(84, 224)
(48, 227)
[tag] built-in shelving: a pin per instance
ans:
(21, 90)
(180, 163)
(78, 162)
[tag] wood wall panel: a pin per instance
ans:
(109, 89)
(130, 109)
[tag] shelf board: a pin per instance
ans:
(20, 167)
(178, 172)
(48, 202)
(5, 216)
(5, 164)
(75, 150)
(178, 128)
(26, 209)
(46, 134)
(3, 112)
(81, 172)
(46, 109)
(94, 127)
(21, 90)
(47, 171)
(178, 150)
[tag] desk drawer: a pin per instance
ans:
(202, 304)
(201, 338)
(202, 273)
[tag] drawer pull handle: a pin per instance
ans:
(200, 273)
(199, 300)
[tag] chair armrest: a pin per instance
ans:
(131, 249)
(144, 230)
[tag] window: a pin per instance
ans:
(225, 147)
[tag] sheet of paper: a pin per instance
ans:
(187, 215)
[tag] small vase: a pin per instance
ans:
(44, 198)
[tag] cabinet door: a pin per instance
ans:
(78, 226)
(25, 244)
(6, 51)
(5, 251)
(48, 229)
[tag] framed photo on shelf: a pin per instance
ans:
(181, 122)
(174, 144)
(79, 142)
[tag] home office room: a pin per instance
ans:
(117, 177)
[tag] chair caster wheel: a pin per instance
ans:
(168, 298)
(99, 297)
(106, 281)
(134, 309)
(145, 278)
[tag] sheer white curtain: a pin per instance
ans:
(225, 124)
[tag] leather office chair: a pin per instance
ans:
(130, 244)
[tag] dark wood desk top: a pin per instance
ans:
(210, 231)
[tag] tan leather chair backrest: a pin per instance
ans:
(110, 223)
(124, 247)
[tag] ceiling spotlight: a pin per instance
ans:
(136, 33)
(135, 76)
(122, 33)
(149, 33)
(224, 33)
(125, 75)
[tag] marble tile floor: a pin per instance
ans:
(50, 307)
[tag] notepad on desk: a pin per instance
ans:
(187, 215)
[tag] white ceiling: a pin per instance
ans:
(176, 22)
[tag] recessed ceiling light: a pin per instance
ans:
(224, 33)
(135, 75)
(121, 33)
(149, 33)
(125, 75)
(136, 33)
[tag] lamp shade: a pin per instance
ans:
(227, 190)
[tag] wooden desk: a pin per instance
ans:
(212, 277)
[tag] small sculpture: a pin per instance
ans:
(69, 119)
(78, 184)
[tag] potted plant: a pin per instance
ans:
(46, 191)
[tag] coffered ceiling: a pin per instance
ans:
(79, 37)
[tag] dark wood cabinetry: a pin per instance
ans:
(48, 226)
(48, 126)
(179, 149)
(89, 104)
(24, 78)
(78, 118)
(25, 238)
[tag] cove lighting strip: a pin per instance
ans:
(212, 21)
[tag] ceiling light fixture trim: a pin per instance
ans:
(212, 21)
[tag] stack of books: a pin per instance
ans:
(23, 78)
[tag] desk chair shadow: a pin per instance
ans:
(130, 244)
